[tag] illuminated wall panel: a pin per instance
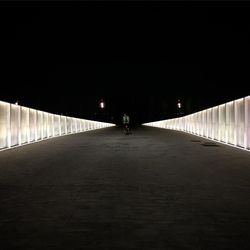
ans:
(191, 118)
(68, 121)
(215, 123)
(194, 123)
(247, 123)
(24, 125)
(78, 125)
(45, 124)
(56, 125)
(240, 118)
(222, 123)
(230, 116)
(63, 125)
(32, 124)
(50, 125)
(198, 123)
(4, 124)
(188, 123)
(91, 125)
(178, 123)
(209, 124)
(88, 125)
(14, 124)
(188, 119)
(39, 125)
(85, 125)
(74, 125)
(204, 123)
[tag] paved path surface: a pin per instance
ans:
(153, 189)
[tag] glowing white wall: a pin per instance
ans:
(39, 125)
(21, 125)
(24, 125)
(14, 124)
(45, 125)
(228, 123)
(247, 123)
(63, 125)
(4, 124)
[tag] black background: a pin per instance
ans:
(140, 57)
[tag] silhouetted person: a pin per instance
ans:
(125, 121)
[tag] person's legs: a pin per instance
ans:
(126, 128)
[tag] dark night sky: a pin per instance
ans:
(140, 57)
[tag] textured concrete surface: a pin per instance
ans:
(153, 189)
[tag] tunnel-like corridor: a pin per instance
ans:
(153, 189)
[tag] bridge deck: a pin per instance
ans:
(153, 189)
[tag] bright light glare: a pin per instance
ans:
(179, 104)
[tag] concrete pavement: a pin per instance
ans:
(153, 189)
